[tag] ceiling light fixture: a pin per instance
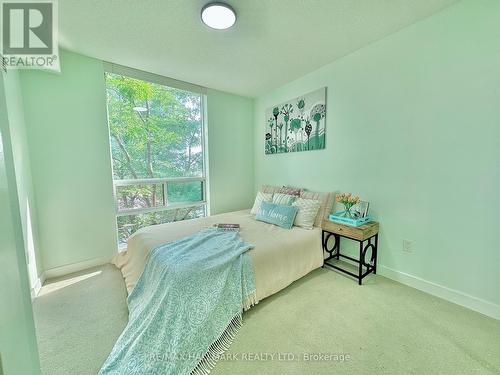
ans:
(218, 16)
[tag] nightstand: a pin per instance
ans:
(366, 233)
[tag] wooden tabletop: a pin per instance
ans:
(360, 233)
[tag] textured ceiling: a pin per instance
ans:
(273, 41)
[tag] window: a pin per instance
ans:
(157, 148)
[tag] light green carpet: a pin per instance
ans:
(385, 328)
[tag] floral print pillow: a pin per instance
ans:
(290, 190)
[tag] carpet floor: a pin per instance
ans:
(322, 324)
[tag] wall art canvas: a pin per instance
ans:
(297, 125)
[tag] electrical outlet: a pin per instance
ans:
(408, 246)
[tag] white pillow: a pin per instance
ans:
(283, 199)
(308, 209)
(326, 200)
(261, 197)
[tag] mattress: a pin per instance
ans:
(280, 256)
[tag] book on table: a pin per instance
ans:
(227, 226)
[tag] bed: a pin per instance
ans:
(280, 256)
(195, 283)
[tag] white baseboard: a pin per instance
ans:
(484, 307)
(35, 289)
(75, 267)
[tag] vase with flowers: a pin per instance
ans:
(348, 200)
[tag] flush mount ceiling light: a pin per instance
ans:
(218, 16)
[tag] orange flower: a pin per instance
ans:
(347, 199)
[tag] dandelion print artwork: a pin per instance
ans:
(297, 125)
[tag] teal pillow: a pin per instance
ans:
(277, 214)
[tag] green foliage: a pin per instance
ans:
(127, 225)
(164, 140)
(139, 196)
(155, 132)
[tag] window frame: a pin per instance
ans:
(164, 181)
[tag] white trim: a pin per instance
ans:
(35, 289)
(157, 180)
(151, 77)
(205, 149)
(170, 207)
(466, 300)
(75, 267)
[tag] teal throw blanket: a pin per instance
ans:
(186, 307)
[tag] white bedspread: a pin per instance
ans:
(280, 256)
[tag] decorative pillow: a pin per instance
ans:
(284, 199)
(270, 188)
(277, 214)
(289, 190)
(326, 200)
(261, 197)
(308, 209)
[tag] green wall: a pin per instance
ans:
(22, 168)
(413, 127)
(70, 158)
(231, 163)
(71, 165)
(18, 349)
